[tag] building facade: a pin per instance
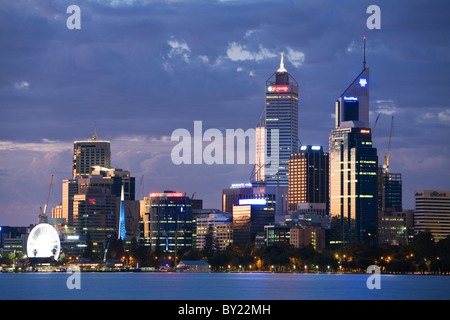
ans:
(308, 177)
(249, 221)
(14, 238)
(275, 197)
(353, 167)
(389, 191)
(303, 236)
(69, 190)
(217, 225)
(276, 234)
(96, 211)
(353, 186)
(88, 154)
(432, 213)
(277, 130)
(167, 222)
(232, 195)
(393, 228)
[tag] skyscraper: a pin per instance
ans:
(167, 221)
(123, 181)
(69, 190)
(277, 130)
(353, 167)
(308, 177)
(389, 191)
(88, 154)
(96, 210)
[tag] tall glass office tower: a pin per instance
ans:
(88, 154)
(167, 221)
(353, 167)
(277, 130)
(308, 177)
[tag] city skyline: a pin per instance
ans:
(136, 71)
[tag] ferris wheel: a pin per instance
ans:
(43, 242)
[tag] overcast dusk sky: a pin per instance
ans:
(138, 70)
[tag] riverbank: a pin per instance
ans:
(69, 269)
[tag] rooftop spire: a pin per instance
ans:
(364, 61)
(281, 68)
(95, 137)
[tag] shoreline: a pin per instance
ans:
(69, 270)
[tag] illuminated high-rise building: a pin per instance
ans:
(69, 190)
(88, 154)
(96, 211)
(389, 191)
(277, 130)
(353, 167)
(167, 222)
(308, 177)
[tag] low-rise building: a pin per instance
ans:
(193, 266)
(302, 236)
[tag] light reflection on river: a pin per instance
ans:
(221, 286)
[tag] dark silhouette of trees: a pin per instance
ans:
(422, 254)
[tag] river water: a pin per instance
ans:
(219, 286)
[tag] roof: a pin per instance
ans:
(83, 261)
(194, 262)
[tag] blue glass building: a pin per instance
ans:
(353, 167)
(167, 221)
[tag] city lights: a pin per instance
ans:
(271, 89)
(168, 195)
(261, 202)
(363, 82)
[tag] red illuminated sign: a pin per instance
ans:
(92, 201)
(171, 194)
(365, 131)
(277, 89)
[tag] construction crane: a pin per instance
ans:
(387, 157)
(43, 215)
(375, 124)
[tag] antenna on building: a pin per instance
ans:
(282, 68)
(388, 156)
(364, 61)
(95, 137)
